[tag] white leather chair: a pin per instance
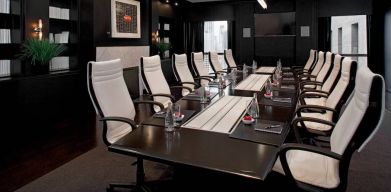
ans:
(311, 75)
(312, 59)
(331, 80)
(326, 106)
(197, 59)
(322, 75)
(215, 63)
(321, 169)
(155, 82)
(114, 106)
(229, 59)
(182, 72)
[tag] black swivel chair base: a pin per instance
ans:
(138, 186)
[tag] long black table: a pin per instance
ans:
(210, 150)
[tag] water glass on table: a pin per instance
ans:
(177, 115)
(169, 119)
(203, 92)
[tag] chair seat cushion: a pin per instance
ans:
(115, 133)
(164, 100)
(315, 101)
(311, 168)
(328, 116)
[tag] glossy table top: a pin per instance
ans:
(205, 149)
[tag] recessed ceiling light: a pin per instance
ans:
(167, 1)
(176, 3)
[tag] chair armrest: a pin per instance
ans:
(302, 107)
(308, 82)
(302, 72)
(204, 78)
(306, 76)
(161, 106)
(191, 83)
(221, 72)
(310, 95)
(120, 119)
(172, 98)
(314, 91)
(182, 87)
(301, 120)
(294, 146)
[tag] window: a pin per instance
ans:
(349, 37)
(340, 40)
(215, 39)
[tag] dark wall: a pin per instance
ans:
(306, 15)
(102, 25)
(244, 47)
(212, 12)
(328, 8)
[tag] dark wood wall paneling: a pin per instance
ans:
(46, 115)
(244, 47)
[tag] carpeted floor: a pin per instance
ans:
(370, 170)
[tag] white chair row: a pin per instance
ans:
(320, 169)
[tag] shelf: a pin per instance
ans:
(9, 21)
(9, 51)
(41, 76)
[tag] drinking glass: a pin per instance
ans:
(203, 94)
(169, 120)
(176, 113)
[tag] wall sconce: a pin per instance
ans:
(38, 29)
(155, 37)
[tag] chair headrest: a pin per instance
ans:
(106, 70)
(151, 64)
(180, 59)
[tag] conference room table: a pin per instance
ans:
(243, 151)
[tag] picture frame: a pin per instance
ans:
(125, 19)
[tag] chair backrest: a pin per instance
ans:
(197, 59)
(311, 60)
(360, 120)
(330, 83)
(110, 97)
(154, 80)
(182, 71)
(229, 59)
(362, 116)
(214, 62)
(344, 86)
(318, 65)
(325, 71)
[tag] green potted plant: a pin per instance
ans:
(39, 53)
(162, 47)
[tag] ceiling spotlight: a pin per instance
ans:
(262, 3)
(167, 1)
(176, 3)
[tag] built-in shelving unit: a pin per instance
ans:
(64, 29)
(11, 35)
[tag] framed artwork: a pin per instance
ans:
(125, 19)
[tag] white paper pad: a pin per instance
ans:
(221, 116)
(253, 82)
